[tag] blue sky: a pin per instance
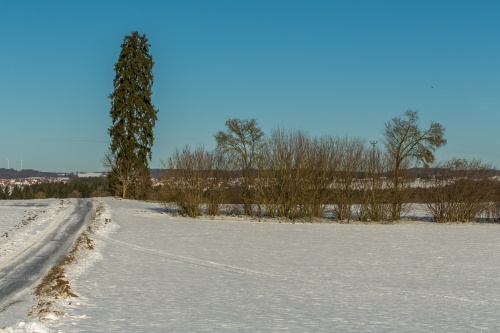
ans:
(325, 67)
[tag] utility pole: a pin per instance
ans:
(373, 196)
(374, 143)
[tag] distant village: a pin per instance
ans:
(45, 179)
(13, 178)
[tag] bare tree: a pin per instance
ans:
(122, 172)
(406, 144)
(241, 142)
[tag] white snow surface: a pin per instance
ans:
(154, 272)
(23, 222)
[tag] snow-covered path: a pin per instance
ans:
(159, 273)
(40, 253)
(36, 235)
(23, 223)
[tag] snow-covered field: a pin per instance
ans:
(154, 272)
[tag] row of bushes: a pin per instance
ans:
(457, 191)
(450, 205)
(297, 177)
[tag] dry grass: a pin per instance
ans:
(55, 284)
(94, 225)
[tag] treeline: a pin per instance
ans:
(75, 188)
(26, 173)
(292, 175)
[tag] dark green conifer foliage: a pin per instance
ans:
(6, 192)
(17, 193)
(133, 114)
(27, 193)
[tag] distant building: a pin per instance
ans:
(90, 174)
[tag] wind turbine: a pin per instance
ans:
(8, 164)
(21, 165)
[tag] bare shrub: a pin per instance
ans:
(349, 155)
(375, 195)
(184, 186)
(74, 194)
(293, 175)
(193, 178)
(216, 181)
(279, 174)
(318, 167)
(460, 190)
(492, 211)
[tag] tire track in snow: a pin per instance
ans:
(27, 267)
(366, 288)
(59, 215)
(187, 260)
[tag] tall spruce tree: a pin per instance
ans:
(133, 118)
